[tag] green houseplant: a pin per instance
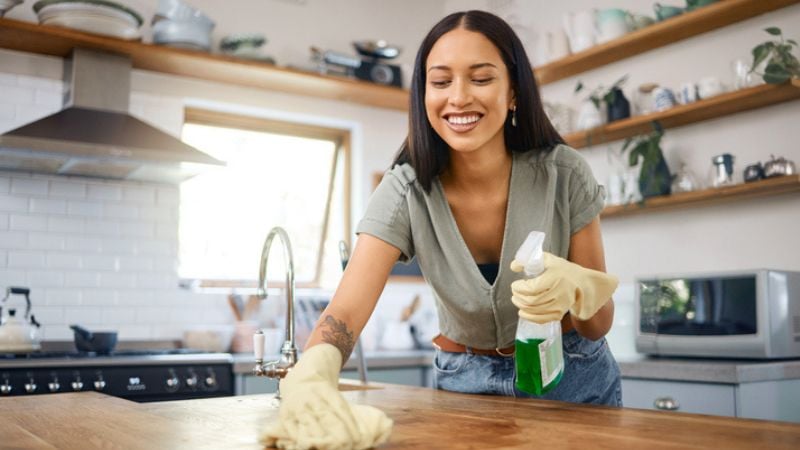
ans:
(617, 106)
(654, 177)
(781, 63)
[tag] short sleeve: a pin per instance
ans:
(586, 196)
(387, 216)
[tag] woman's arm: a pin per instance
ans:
(586, 249)
(356, 296)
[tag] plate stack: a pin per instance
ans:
(94, 16)
(177, 24)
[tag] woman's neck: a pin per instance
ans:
(477, 171)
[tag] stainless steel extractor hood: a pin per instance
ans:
(94, 135)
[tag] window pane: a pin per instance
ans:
(270, 180)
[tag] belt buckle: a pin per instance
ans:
(504, 354)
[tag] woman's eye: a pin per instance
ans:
(440, 83)
(482, 80)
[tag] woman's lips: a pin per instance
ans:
(462, 123)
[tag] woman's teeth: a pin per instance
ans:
(463, 120)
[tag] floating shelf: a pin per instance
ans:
(756, 189)
(56, 41)
(701, 20)
(718, 106)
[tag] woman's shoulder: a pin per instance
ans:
(398, 179)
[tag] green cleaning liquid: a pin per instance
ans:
(539, 362)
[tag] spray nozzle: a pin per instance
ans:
(531, 254)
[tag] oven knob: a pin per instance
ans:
(77, 385)
(173, 383)
(192, 381)
(30, 388)
(99, 385)
(53, 386)
(211, 381)
(5, 389)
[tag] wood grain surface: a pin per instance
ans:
(423, 419)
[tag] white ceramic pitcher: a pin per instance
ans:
(580, 29)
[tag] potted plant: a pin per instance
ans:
(617, 106)
(654, 177)
(781, 64)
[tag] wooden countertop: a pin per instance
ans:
(424, 419)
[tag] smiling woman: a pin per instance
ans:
(277, 174)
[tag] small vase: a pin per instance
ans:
(655, 179)
(620, 107)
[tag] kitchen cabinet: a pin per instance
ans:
(407, 376)
(423, 419)
(770, 400)
(56, 41)
(707, 18)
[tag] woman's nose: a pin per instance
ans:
(460, 94)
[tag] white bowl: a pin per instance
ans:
(6, 5)
(94, 17)
(193, 35)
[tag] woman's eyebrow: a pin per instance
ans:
(472, 67)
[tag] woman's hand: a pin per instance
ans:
(563, 286)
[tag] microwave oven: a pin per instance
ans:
(744, 314)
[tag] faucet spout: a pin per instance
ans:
(288, 358)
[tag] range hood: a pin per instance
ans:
(94, 135)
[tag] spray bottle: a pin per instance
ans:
(539, 358)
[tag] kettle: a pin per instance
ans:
(18, 334)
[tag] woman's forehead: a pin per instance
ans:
(463, 49)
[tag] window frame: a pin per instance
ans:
(342, 140)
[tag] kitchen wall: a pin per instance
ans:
(757, 233)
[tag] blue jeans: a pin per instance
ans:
(591, 374)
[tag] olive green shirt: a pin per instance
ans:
(554, 192)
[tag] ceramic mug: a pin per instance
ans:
(612, 23)
(663, 98)
(687, 93)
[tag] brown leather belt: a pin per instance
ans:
(441, 342)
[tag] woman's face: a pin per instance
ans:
(468, 92)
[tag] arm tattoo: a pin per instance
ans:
(335, 332)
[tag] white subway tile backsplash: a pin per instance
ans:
(156, 280)
(98, 297)
(139, 194)
(117, 280)
(152, 314)
(13, 239)
(60, 297)
(118, 315)
(49, 315)
(135, 263)
(119, 246)
(7, 112)
(165, 263)
(30, 112)
(134, 332)
(167, 196)
(137, 229)
(26, 260)
(63, 261)
(84, 315)
(157, 247)
(159, 213)
(83, 279)
(83, 244)
(13, 204)
(48, 99)
(11, 277)
(103, 192)
(40, 205)
(79, 208)
(186, 316)
(3, 221)
(28, 186)
(18, 95)
(7, 79)
(100, 262)
(57, 333)
(120, 211)
(3, 259)
(72, 189)
(65, 224)
(138, 298)
(167, 230)
(96, 227)
(45, 84)
(5, 183)
(45, 278)
(47, 241)
(25, 222)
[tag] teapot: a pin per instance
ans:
(779, 166)
(18, 334)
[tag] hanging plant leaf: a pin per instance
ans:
(776, 73)
(775, 31)
(760, 53)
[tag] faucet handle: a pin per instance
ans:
(258, 345)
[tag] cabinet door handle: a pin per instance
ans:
(666, 404)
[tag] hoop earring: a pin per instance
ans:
(514, 117)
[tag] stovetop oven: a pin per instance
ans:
(138, 375)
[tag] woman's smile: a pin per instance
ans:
(462, 122)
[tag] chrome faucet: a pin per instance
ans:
(277, 369)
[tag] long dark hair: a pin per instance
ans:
(424, 149)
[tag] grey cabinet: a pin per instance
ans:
(770, 400)
(411, 376)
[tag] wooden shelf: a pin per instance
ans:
(761, 188)
(711, 17)
(719, 106)
(56, 41)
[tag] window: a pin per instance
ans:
(277, 174)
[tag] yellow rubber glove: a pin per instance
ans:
(563, 286)
(314, 415)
